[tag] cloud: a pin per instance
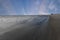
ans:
(37, 2)
(43, 10)
(8, 7)
(59, 1)
(34, 7)
(29, 7)
(51, 6)
(38, 8)
(24, 13)
(44, 13)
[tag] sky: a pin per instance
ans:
(29, 7)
